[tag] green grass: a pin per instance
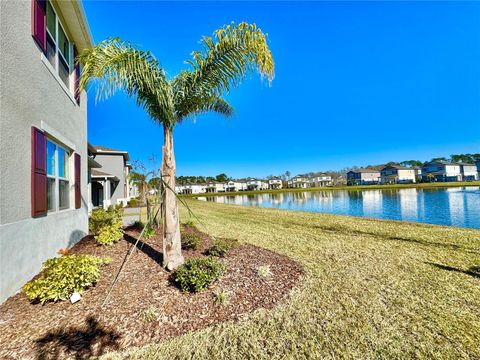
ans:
(373, 289)
(349, 188)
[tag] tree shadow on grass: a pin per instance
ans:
(349, 231)
(146, 249)
(77, 342)
(472, 271)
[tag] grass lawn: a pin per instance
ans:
(349, 188)
(373, 289)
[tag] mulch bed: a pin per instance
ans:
(59, 330)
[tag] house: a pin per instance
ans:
(235, 185)
(363, 177)
(193, 188)
(321, 180)
(468, 171)
(275, 183)
(418, 173)
(256, 184)
(110, 185)
(477, 163)
(214, 187)
(396, 174)
(299, 182)
(441, 171)
(43, 136)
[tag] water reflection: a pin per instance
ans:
(450, 206)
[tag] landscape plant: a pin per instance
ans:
(222, 246)
(190, 241)
(197, 274)
(106, 226)
(61, 277)
(223, 62)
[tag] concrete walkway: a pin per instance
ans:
(130, 215)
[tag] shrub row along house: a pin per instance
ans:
(251, 184)
(440, 171)
(50, 178)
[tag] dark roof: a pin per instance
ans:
(448, 163)
(398, 167)
(365, 171)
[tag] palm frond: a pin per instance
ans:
(226, 58)
(115, 65)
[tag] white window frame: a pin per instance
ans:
(57, 50)
(57, 178)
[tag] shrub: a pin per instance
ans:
(221, 297)
(222, 246)
(109, 234)
(61, 277)
(100, 218)
(132, 203)
(197, 274)
(148, 231)
(150, 314)
(190, 241)
(264, 271)
(189, 223)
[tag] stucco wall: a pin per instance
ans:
(30, 95)
(114, 164)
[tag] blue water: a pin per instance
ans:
(449, 206)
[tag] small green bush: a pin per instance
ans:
(109, 234)
(149, 231)
(100, 218)
(264, 271)
(197, 274)
(222, 246)
(190, 241)
(61, 277)
(188, 222)
(132, 203)
(221, 297)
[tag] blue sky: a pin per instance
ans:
(355, 84)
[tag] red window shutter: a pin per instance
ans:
(39, 29)
(78, 192)
(39, 173)
(77, 76)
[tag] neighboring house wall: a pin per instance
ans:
(362, 178)
(114, 164)
(469, 172)
(31, 95)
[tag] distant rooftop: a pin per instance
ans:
(107, 150)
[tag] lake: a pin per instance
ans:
(447, 206)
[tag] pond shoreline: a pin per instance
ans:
(334, 188)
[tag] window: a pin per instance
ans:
(57, 177)
(58, 46)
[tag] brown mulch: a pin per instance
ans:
(59, 330)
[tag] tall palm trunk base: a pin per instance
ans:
(172, 248)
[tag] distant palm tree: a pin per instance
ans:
(140, 181)
(224, 61)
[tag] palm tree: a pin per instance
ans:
(225, 59)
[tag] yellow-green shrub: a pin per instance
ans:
(61, 277)
(110, 234)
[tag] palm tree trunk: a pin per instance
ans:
(172, 248)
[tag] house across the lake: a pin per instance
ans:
(321, 180)
(299, 182)
(275, 183)
(363, 177)
(256, 184)
(441, 171)
(43, 135)
(396, 174)
(110, 183)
